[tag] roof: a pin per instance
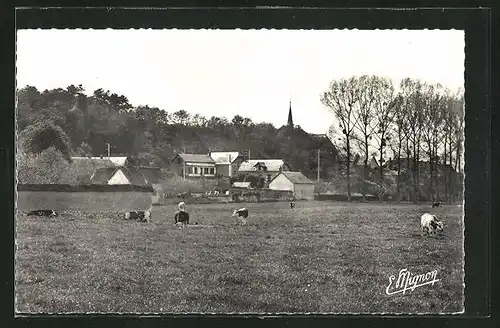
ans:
(241, 184)
(136, 178)
(151, 174)
(295, 177)
(195, 158)
(273, 165)
(106, 161)
(102, 175)
(222, 157)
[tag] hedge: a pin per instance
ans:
(82, 188)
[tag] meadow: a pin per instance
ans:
(321, 257)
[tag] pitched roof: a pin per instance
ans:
(134, 176)
(151, 174)
(106, 161)
(102, 175)
(296, 177)
(272, 165)
(222, 157)
(195, 158)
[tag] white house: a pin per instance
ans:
(226, 162)
(299, 184)
(195, 166)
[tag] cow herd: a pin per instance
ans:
(429, 223)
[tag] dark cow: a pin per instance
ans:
(241, 214)
(141, 216)
(437, 204)
(47, 213)
(182, 217)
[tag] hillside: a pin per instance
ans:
(77, 124)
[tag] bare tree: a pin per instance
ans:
(341, 99)
(399, 129)
(432, 112)
(415, 120)
(385, 106)
(367, 92)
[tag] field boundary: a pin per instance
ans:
(82, 188)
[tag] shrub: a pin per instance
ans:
(46, 167)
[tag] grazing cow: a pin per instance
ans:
(292, 205)
(437, 204)
(141, 216)
(241, 214)
(430, 224)
(47, 213)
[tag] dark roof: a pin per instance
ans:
(196, 158)
(102, 175)
(296, 177)
(136, 178)
(151, 174)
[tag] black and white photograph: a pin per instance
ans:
(240, 171)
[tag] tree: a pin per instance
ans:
(399, 129)
(413, 105)
(39, 136)
(341, 99)
(367, 92)
(386, 103)
(433, 113)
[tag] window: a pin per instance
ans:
(205, 170)
(212, 170)
(195, 170)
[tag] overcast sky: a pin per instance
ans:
(252, 73)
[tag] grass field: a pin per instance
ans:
(321, 257)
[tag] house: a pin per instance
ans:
(101, 162)
(270, 167)
(142, 176)
(226, 163)
(194, 166)
(299, 184)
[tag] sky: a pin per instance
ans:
(252, 73)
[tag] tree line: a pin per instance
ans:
(419, 127)
(70, 122)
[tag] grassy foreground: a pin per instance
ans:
(321, 257)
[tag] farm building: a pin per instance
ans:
(268, 168)
(299, 184)
(226, 163)
(142, 176)
(194, 166)
(101, 162)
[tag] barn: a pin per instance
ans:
(299, 184)
(142, 176)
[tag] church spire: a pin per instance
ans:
(290, 119)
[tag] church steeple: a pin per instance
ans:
(290, 119)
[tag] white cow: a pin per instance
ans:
(430, 224)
